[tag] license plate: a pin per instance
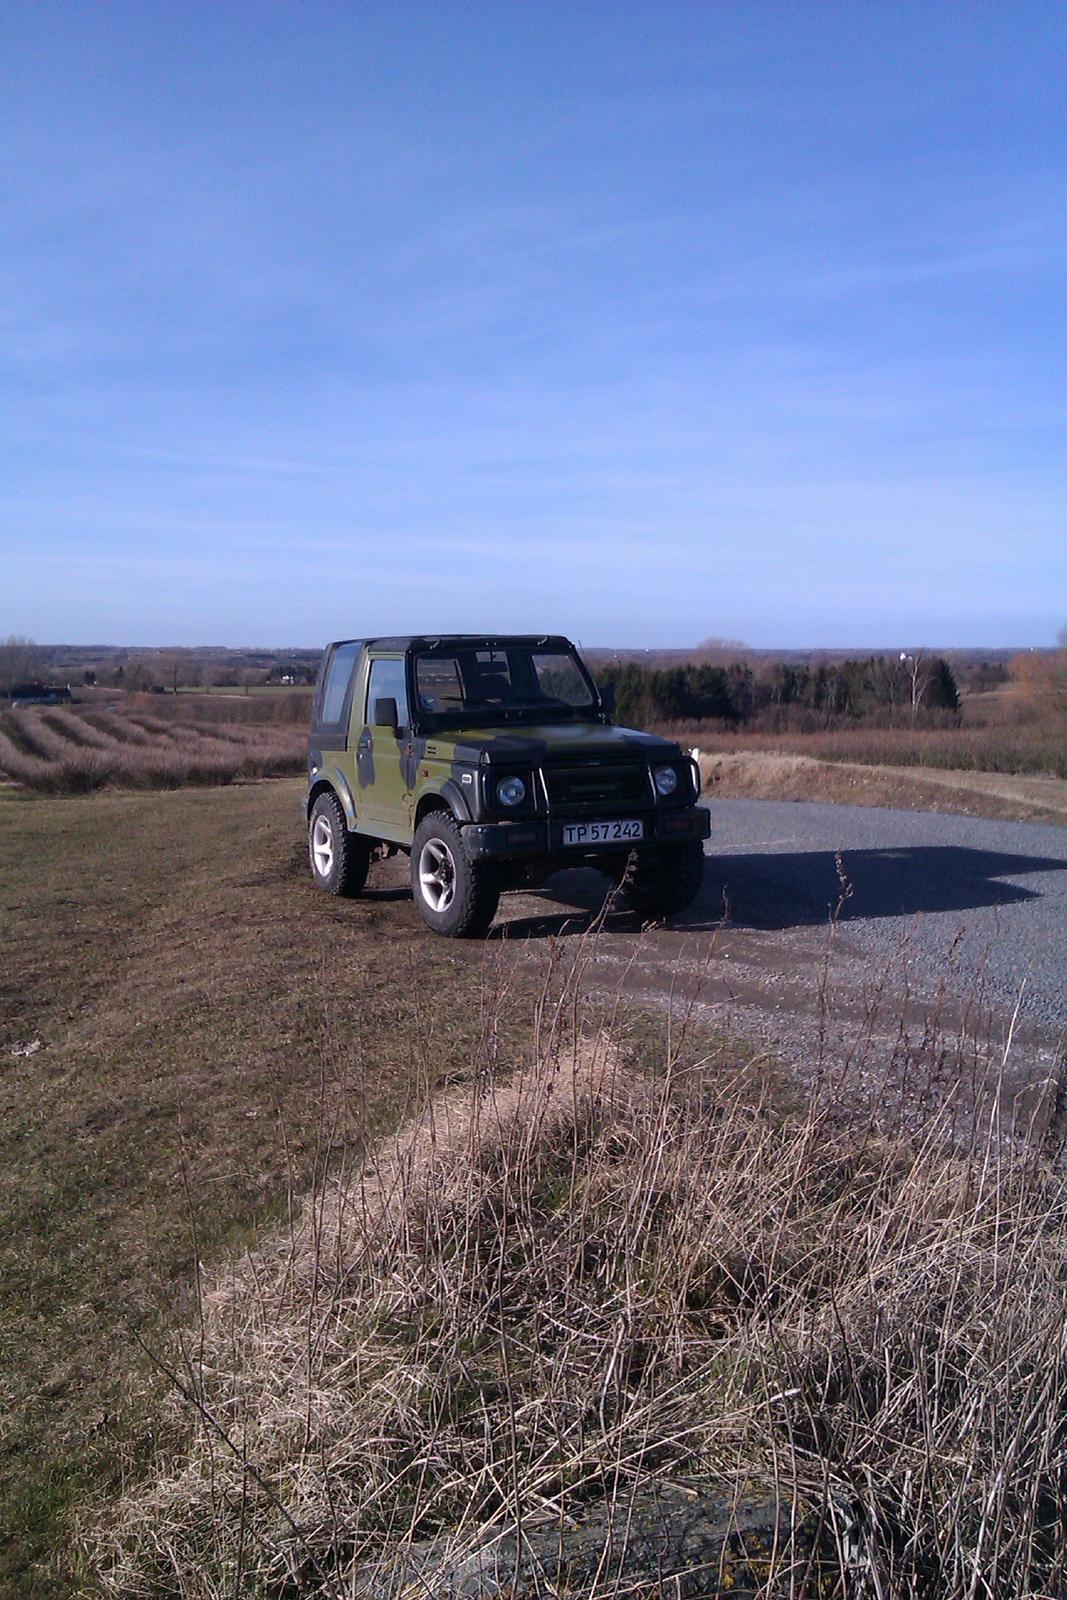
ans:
(624, 832)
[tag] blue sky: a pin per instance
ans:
(642, 323)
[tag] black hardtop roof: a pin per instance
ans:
(431, 641)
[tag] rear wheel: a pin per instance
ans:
(456, 897)
(662, 882)
(339, 859)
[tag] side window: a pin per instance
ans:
(387, 683)
(337, 678)
(558, 678)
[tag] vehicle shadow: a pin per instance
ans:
(806, 888)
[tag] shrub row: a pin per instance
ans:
(72, 753)
(878, 686)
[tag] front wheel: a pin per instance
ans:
(455, 896)
(339, 859)
(662, 882)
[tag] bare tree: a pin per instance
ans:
(715, 649)
(918, 670)
(250, 678)
(213, 672)
(21, 661)
(142, 672)
(175, 667)
(1039, 678)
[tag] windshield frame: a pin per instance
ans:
(518, 714)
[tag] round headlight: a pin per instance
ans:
(666, 780)
(511, 791)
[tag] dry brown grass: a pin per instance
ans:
(779, 775)
(558, 1285)
(1013, 744)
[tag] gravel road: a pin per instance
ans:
(820, 922)
(989, 896)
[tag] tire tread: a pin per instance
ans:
(665, 884)
(351, 851)
(477, 892)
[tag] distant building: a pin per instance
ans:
(287, 673)
(38, 694)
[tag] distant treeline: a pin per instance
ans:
(878, 687)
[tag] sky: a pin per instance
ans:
(643, 323)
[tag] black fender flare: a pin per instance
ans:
(459, 802)
(331, 781)
(449, 797)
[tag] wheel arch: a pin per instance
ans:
(333, 783)
(449, 798)
(429, 804)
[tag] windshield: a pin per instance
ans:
(511, 683)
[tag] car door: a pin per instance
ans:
(383, 796)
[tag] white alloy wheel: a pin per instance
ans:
(437, 875)
(322, 846)
(455, 896)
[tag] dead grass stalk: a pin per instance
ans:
(554, 1287)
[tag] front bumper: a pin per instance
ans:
(537, 837)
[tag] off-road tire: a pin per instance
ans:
(455, 896)
(339, 859)
(662, 882)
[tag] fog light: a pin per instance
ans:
(666, 780)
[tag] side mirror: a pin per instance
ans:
(607, 698)
(386, 714)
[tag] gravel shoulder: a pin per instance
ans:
(844, 936)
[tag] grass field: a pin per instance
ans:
(193, 1040)
(188, 1032)
(152, 742)
(1022, 745)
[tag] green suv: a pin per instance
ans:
(493, 762)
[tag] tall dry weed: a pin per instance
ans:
(553, 1288)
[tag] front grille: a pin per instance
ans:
(594, 788)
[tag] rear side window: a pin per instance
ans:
(337, 678)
